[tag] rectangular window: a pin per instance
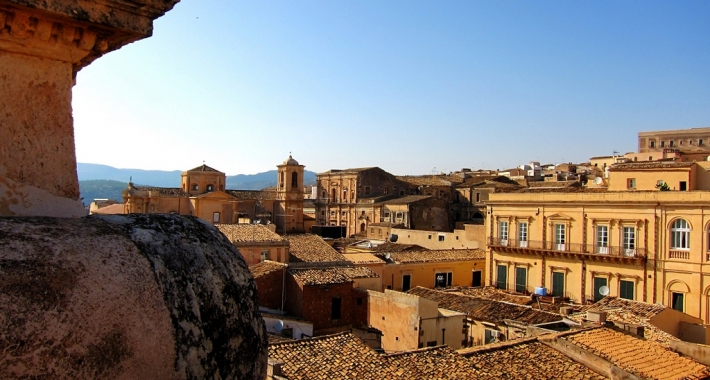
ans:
(335, 303)
(560, 237)
(602, 243)
(215, 217)
(677, 301)
(629, 241)
(700, 142)
(367, 190)
(344, 213)
(631, 183)
(626, 289)
(387, 214)
(558, 284)
(264, 255)
(406, 282)
(372, 230)
(379, 232)
(387, 190)
(443, 279)
(683, 186)
(478, 197)
(523, 234)
(598, 284)
(477, 279)
(441, 237)
(491, 336)
(502, 279)
(503, 232)
(521, 279)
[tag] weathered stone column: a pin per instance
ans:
(43, 44)
(120, 297)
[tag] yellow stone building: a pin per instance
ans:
(202, 194)
(637, 241)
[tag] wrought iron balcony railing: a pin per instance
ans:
(587, 249)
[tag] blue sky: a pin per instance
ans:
(409, 86)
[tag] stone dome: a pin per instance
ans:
(290, 161)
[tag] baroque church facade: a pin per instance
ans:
(203, 194)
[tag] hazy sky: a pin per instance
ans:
(409, 86)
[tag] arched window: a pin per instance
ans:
(195, 187)
(294, 180)
(680, 234)
(210, 187)
(653, 144)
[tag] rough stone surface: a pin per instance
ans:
(137, 296)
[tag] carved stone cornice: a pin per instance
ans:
(76, 31)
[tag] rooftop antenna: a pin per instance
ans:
(433, 171)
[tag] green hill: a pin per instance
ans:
(101, 188)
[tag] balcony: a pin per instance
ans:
(537, 247)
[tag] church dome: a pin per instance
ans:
(290, 161)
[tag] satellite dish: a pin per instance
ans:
(387, 255)
(598, 180)
(604, 290)
(393, 238)
(279, 325)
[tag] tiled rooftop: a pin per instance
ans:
(492, 293)
(629, 312)
(431, 180)
(163, 191)
(204, 168)
(407, 257)
(265, 267)
(339, 356)
(397, 247)
(240, 233)
(363, 258)
(331, 275)
(311, 248)
(320, 276)
(348, 171)
(526, 359)
(650, 165)
(637, 356)
(553, 184)
(273, 338)
(486, 309)
(439, 362)
(641, 309)
(407, 199)
(358, 272)
(253, 194)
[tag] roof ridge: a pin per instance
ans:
(313, 339)
(416, 351)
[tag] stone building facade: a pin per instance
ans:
(202, 194)
(687, 140)
(640, 244)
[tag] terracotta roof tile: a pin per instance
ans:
(358, 272)
(641, 309)
(637, 356)
(553, 184)
(526, 359)
(163, 191)
(320, 276)
(240, 233)
(265, 267)
(430, 180)
(363, 258)
(486, 309)
(253, 194)
(397, 247)
(492, 293)
(650, 165)
(439, 362)
(204, 168)
(406, 257)
(339, 356)
(311, 248)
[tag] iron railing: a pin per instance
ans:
(587, 249)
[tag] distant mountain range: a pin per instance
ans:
(102, 181)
